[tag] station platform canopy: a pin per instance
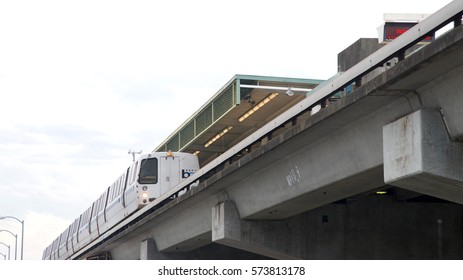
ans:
(239, 108)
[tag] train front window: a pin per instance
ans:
(148, 171)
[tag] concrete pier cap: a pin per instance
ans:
(420, 156)
(266, 238)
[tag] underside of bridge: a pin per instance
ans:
(389, 223)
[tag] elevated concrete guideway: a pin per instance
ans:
(308, 193)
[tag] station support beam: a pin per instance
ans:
(272, 239)
(420, 156)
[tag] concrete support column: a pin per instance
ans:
(267, 238)
(419, 156)
(147, 249)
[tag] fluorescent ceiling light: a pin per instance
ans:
(215, 138)
(258, 106)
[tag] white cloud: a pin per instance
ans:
(42, 229)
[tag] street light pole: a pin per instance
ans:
(22, 232)
(8, 246)
(15, 243)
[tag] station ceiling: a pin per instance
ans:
(239, 108)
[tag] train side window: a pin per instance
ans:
(116, 189)
(95, 208)
(102, 201)
(134, 172)
(148, 171)
(110, 194)
(129, 175)
(86, 216)
(121, 182)
(113, 192)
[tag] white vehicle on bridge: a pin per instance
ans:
(149, 177)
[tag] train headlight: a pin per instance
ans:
(144, 195)
(144, 188)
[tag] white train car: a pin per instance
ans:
(149, 177)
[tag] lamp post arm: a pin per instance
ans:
(22, 232)
(8, 246)
(15, 242)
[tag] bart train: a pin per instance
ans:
(149, 177)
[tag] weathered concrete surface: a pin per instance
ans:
(356, 52)
(333, 155)
(368, 226)
(419, 155)
(273, 239)
(149, 251)
(381, 227)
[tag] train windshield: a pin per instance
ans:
(148, 171)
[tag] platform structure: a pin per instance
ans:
(239, 108)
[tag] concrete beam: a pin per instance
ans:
(149, 251)
(188, 230)
(419, 156)
(267, 238)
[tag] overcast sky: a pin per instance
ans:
(82, 82)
